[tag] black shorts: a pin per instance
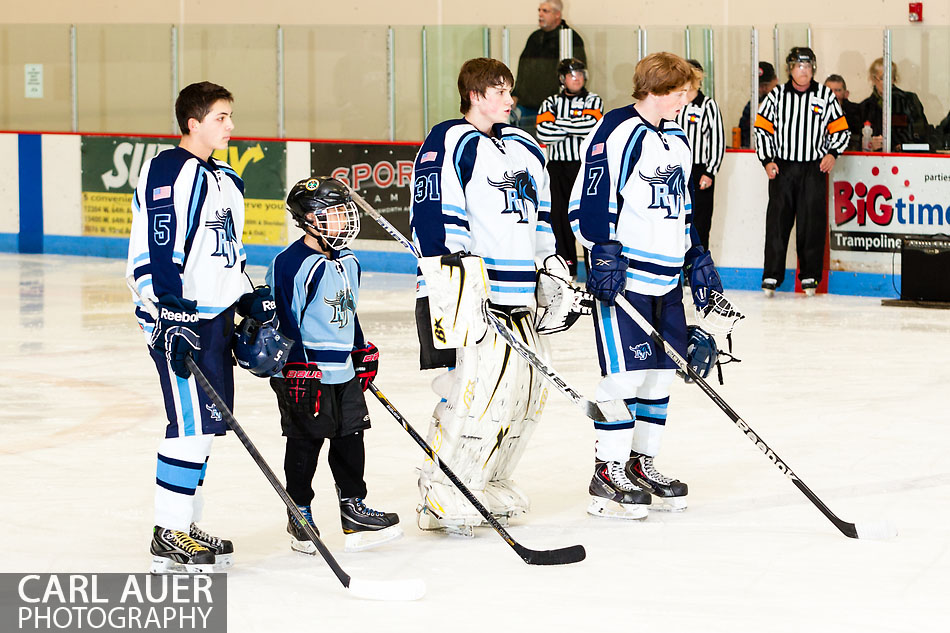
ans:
(342, 411)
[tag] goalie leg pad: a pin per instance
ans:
(483, 426)
(457, 285)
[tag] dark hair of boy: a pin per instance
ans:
(195, 101)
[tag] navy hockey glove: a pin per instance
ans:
(258, 304)
(703, 278)
(608, 271)
(302, 384)
(176, 332)
(365, 364)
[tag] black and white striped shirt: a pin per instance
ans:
(565, 121)
(800, 126)
(702, 122)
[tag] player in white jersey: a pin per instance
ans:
(480, 210)
(631, 206)
(186, 256)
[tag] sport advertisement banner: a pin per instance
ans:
(380, 172)
(876, 200)
(110, 172)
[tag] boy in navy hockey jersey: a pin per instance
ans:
(320, 396)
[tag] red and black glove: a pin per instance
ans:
(302, 385)
(365, 364)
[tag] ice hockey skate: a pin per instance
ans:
(809, 286)
(222, 549)
(175, 552)
(768, 286)
(299, 541)
(671, 493)
(365, 527)
(613, 495)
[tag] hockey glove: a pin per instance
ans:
(258, 304)
(176, 332)
(703, 278)
(303, 388)
(365, 364)
(560, 304)
(608, 271)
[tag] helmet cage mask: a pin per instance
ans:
(338, 225)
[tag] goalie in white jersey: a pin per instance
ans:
(480, 218)
(632, 207)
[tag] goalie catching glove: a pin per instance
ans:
(560, 304)
(176, 332)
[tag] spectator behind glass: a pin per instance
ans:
(537, 66)
(908, 121)
(852, 110)
(767, 81)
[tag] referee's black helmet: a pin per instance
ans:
(568, 66)
(802, 55)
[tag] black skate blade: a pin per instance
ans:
(562, 556)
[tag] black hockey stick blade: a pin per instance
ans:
(562, 556)
(863, 530)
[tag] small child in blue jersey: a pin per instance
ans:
(320, 395)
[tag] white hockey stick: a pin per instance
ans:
(863, 530)
(607, 411)
(400, 590)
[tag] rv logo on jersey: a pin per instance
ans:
(669, 187)
(342, 305)
(518, 188)
(223, 228)
(642, 351)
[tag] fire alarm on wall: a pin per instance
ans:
(915, 12)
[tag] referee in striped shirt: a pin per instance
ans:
(799, 131)
(702, 122)
(564, 121)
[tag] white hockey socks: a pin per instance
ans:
(181, 466)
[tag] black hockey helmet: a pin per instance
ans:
(802, 55)
(568, 66)
(337, 220)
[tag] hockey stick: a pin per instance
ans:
(864, 529)
(370, 589)
(607, 411)
(562, 556)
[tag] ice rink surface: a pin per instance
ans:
(852, 395)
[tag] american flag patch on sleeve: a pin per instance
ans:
(160, 193)
(597, 149)
(428, 157)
